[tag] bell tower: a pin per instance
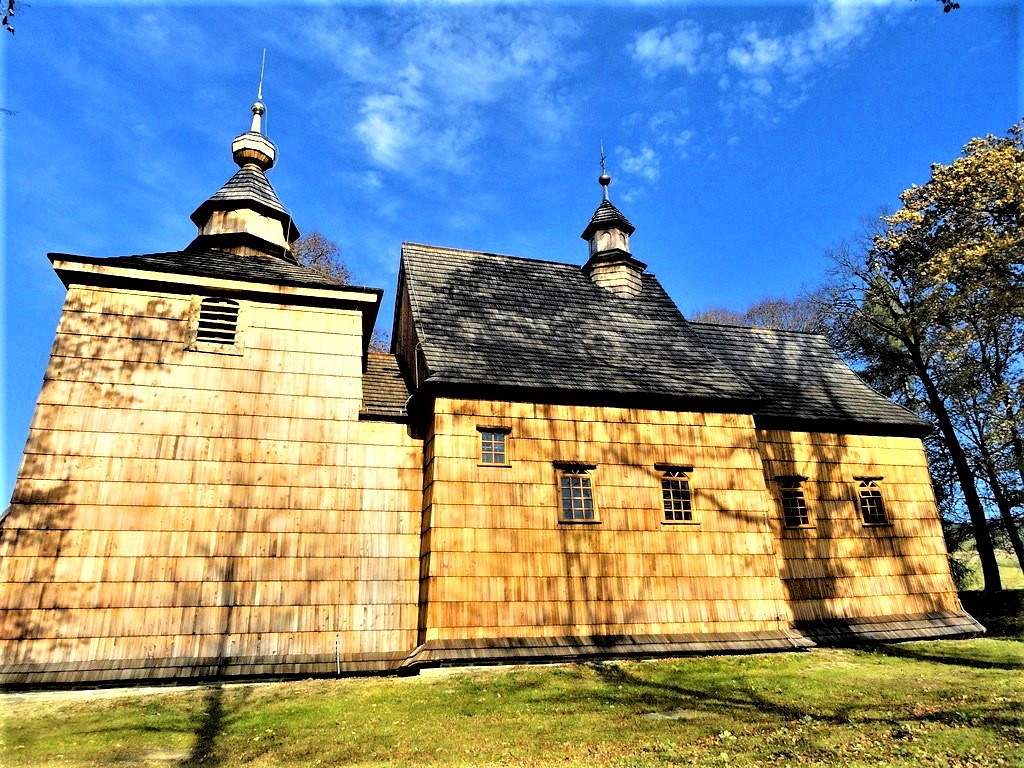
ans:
(611, 264)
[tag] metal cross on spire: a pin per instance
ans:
(604, 179)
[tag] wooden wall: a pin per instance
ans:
(177, 504)
(497, 563)
(840, 568)
(178, 507)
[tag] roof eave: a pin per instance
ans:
(91, 270)
(618, 223)
(851, 426)
(438, 385)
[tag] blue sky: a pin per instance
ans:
(744, 140)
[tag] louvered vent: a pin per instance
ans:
(218, 321)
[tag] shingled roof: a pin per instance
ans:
(801, 378)
(249, 184)
(222, 264)
(385, 392)
(490, 320)
(607, 215)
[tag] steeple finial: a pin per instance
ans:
(604, 179)
(253, 146)
(258, 109)
(263, 65)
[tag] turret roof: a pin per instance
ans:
(605, 217)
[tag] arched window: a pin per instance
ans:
(218, 321)
(676, 499)
(872, 508)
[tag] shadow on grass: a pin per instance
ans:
(953, 657)
(211, 723)
(642, 695)
(1002, 613)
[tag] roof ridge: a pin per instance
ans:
(491, 253)
(760, 328)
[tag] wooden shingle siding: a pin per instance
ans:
(501, 565)
(843, 569)
(177, 509)
(186, 513)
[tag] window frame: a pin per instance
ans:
(793, 484)
(868, 487)
(195, 344)
(672, 473)
(506, 433)
(564, 469)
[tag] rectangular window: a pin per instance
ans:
(576, 495)
(494, 445)
(794, 507)
(675, 496)
(872, 508)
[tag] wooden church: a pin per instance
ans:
(221, 479)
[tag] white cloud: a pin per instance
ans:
(643, 162)
(760, 69)
(753, 53)
(662, 49)
(429, 90)
(683, 138)
(834, 26)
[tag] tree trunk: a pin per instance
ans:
(986, 552)
(1015, 441)
(1005, 508)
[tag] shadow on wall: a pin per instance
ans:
(97, 357)
(816, 574)
(93, 357)
(818, 564)
(211, 721)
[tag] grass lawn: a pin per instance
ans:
(948, 703)
(1009, 570)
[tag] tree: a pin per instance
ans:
(323, 255)
(928, 304)
(802, 313)
(380, 341)
(719, 315)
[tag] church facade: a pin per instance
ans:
(222, 479)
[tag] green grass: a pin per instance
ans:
(948, 703)
(1009, 570)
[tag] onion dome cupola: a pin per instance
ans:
(611, 264)
(245, 216)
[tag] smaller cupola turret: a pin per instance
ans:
(611, 264)
(245, 215)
